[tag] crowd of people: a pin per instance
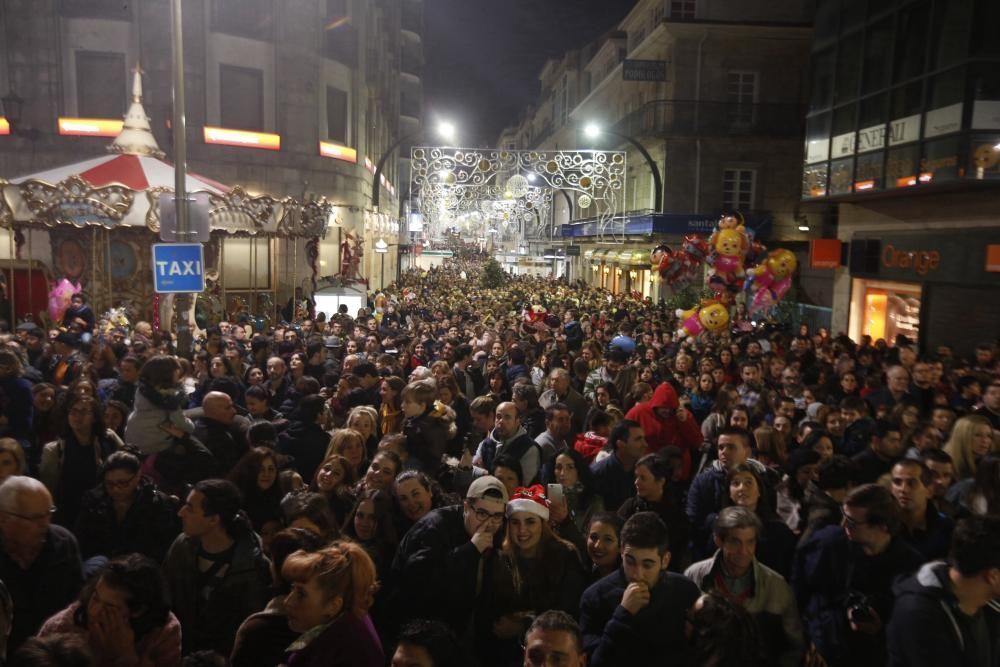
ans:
(535, 472)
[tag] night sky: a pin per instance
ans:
(484, 56)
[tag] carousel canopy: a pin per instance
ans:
(123, 188)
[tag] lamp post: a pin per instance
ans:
(182, 302)
(593, 131)
(381, 247)
(445, 130)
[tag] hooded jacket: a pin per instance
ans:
(670, 432)
(519, 446)
(928, 629)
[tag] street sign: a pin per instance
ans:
(572, 251)
(178, 268)
(198, 207)
(644, 70)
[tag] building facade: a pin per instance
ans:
(326, 85)
(903, 143)
(717, 105)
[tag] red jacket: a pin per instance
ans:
(660, 433)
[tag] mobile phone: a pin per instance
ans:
(554, 493)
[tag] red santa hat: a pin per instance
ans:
(529, 499)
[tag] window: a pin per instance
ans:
(741, 93)
(822, 80)
(234, 17)
(336, 115)
(241, 97)
(953, 32)
(101, 84)
(683, 9)
(848, 71)
(911, 36)
(737, 189)
(878, 41)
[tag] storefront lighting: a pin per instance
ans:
(227, 137)
(864, 185)
(803, 228)
(4, 126)
(906, 181)
(926, 177)
(90, 127)
(338, 152)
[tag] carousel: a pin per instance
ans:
(90, 225)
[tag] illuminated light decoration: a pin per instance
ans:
(369, 165)
(864, 185)
(4, 126)
(338, 152)
(244, 138)
(926, 177)
(337, 22)
(906, 181)
(90, 127)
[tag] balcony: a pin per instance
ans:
(683, 118)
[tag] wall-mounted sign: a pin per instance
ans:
(871, 138)
(943, 121)
(986, 115)
(844, 145)
(227, 137)
(338, 152)
(824, 253)
(90, 127)
(817, 150)
(644, 70)
(904, 130)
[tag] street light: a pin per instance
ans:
(445, 130)
(593, 131)
(381, 247)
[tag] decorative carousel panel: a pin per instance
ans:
(71, 253)
(76, 202)
(307, 220)
(153, 212)
(237, 212)
(128, 261)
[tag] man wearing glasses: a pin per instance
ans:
(39, 562)
(443, 561)
(843, 579)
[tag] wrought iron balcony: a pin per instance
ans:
(683, 118)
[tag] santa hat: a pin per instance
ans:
(529, 499)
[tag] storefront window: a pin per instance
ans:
(901, 168)
(848, 69)
(986, 29)
(986, 87)
(940, 161)
(890, 310)
(911, 40)
(984, 157)
(869, 172)
(953, 31)
(878, 42)
(818, 138)
(841, 176)
(814, 180)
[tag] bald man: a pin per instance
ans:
(222, 431)
(39, 562)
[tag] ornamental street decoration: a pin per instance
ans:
(509, 193)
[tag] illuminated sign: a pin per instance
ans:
(244, 138)
(338, 152)
(921, 261)
(4, 126)
(90, 127)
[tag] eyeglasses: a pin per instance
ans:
(34, 518)
(484, 516)
(119, 483)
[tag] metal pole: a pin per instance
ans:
(93, 268)
(381, 280)
(295, 273)
(222, 278)
(31, 304)
(10, 284)
(107, 266)
(182, 302)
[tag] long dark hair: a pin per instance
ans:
(140, 579)
(764, 509)
(583, 474)
(723, 634)
(97, 428)
(385, 540)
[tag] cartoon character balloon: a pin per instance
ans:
(676, 267)
(729, 245)
(769, 281)
(710, 316)
(59, 297)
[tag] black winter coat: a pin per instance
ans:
(149, 526)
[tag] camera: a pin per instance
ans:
(859, 607)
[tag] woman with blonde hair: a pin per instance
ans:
(364, 420)
(349, 443)
(971, 439)
(332, 591)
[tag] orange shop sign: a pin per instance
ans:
(824, 253)
(993, 258)
(921, 262)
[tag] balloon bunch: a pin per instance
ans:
(59, 297)
(729, 246)
(679, 267)
(769, 281)
(709, 316)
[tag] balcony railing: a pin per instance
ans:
(679, 118)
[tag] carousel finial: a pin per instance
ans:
(136, 137)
